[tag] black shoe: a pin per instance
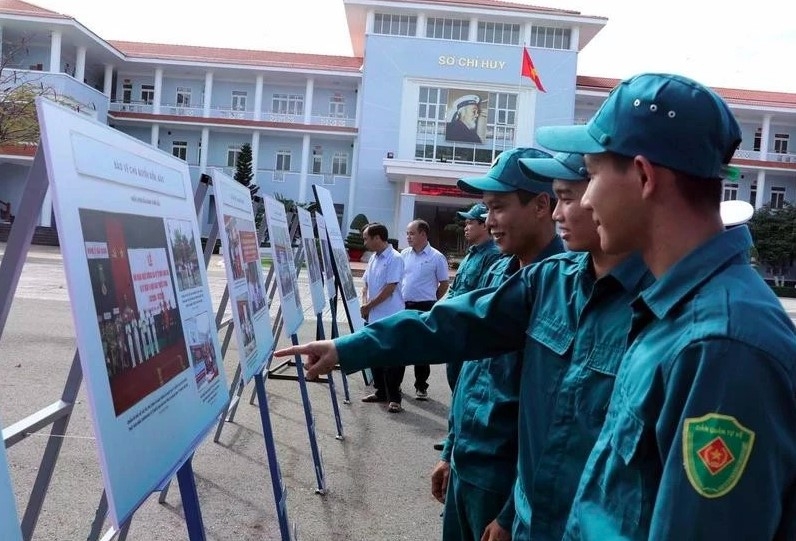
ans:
(374, 398)
(439, 446)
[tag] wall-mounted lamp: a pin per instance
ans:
(390, 155)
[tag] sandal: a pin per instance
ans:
(373, 398)
(394, 407)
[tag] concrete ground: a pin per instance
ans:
(378, 477)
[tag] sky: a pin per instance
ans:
(751, 47)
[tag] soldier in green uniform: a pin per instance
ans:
(480, 255)
(699, 440)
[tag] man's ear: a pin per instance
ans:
(542, 203)
(646, 174)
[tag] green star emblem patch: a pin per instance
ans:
(715, 448)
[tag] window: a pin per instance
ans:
(282, 160)
(183, 96)
(337, 106)
(340, 164)
(730, 192)
(288, 104)
(148, 94)
(777, 197)
(180, 149)
(505, 33)
(753, 194)
(394, 25)
(232, 155)
(432, 120)
(317, 163)
(550, 38)
(781, 143)
(239, 100)
(455, 29)
(758, 139)
(127, 92)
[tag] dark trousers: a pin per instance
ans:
(469, 510)
(387, 382)
(422, 371)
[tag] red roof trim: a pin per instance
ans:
(732, 95)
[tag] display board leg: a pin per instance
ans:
(305, 398)
(335, 334)
(190, 502)
(280, 494)
(321, 335)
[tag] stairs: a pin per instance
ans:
(43, 236)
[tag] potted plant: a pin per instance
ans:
(353, 242)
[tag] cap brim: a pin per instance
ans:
(479, 185)
(575, 139)
(547, 170)
(465, 216)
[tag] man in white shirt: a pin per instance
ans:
(425, 282)
(381, 297)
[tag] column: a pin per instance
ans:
(406, 213)
(765, 135)
(154, 135)
(208, 93)
(369, 22)
(358, 112)
(205, 148)
(352, 186)
(473, 34)
(255, 159)
(258, 98)
(158, 90)
(527, 32)
(420, 30)
(305, 165)
(55, 52)
(80, 64)
(308, 93)
(574, 38)
(107, 83)
(760, 199)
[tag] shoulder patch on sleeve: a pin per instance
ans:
(716, 449)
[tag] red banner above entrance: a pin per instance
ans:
(439, 190)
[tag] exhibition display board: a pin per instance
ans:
(143, 317)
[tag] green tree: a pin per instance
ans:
(774, 233)
(243, 165)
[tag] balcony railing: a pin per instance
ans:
(228, 112)
(766, 157)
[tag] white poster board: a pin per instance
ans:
(312, 260)
(326, 257)
(137, 282)
(245, 281)
(284, 265)
(9, 520)
(340, 255)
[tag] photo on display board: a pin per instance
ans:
(256, 287)
(346, 279)
(280, 241)
(466, 116)
(313, 265)
(198, 331)
(186, 260)
(234, 246)
(135, 301)
(246, 324)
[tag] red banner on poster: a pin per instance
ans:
(248, 240)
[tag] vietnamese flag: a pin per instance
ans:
(529, 71)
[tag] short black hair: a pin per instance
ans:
(376, 229)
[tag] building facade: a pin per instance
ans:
(433, 93)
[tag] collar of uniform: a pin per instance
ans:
(555, 246)
(696, 268)
(426, 249)
(630, 272)
(483, 246)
